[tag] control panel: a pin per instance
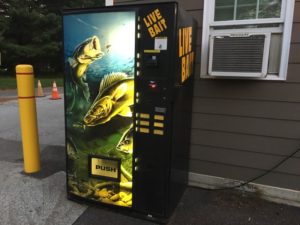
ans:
(152, 113)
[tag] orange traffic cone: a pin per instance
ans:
(55, 94)
(40, 92)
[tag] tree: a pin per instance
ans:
(31, 32)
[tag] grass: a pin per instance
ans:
(9, 82)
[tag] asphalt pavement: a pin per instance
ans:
(40, 199)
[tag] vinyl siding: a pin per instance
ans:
(242, 128)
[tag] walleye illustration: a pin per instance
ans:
(85, 54)
(126, 141)
(115, 97)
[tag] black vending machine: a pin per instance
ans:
(128, 99)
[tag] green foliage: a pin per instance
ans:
(9, 82)
(31, 32)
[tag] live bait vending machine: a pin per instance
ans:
(128, 96)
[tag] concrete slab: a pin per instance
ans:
(26, 200)
(102, 215)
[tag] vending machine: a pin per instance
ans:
(128, 97)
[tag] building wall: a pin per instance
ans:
(242, 128)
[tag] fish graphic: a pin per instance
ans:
(126, 141)
(115, 97)
(71, 149)
(84, 54)
(107, 47)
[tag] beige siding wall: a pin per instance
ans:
(242, 128)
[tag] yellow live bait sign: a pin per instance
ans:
(186, 54)
(155, 23)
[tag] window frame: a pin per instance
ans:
(286, 21)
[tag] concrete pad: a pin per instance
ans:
(102, 215)
(26, 200)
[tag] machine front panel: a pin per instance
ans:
(99, 96)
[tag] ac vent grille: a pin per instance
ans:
(238, 54)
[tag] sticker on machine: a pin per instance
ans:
(161, 43)
(105, 168)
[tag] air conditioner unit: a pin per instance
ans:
(239, 54)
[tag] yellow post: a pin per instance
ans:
(28, 118)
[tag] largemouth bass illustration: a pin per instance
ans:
(126, 141)
(115, 97)
(84, 54)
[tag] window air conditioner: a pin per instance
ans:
(239, 54)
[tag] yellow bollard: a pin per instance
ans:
(28, 118)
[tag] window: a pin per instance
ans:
(246, 9)
(246, 38)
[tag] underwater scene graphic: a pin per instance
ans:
(99, 95)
